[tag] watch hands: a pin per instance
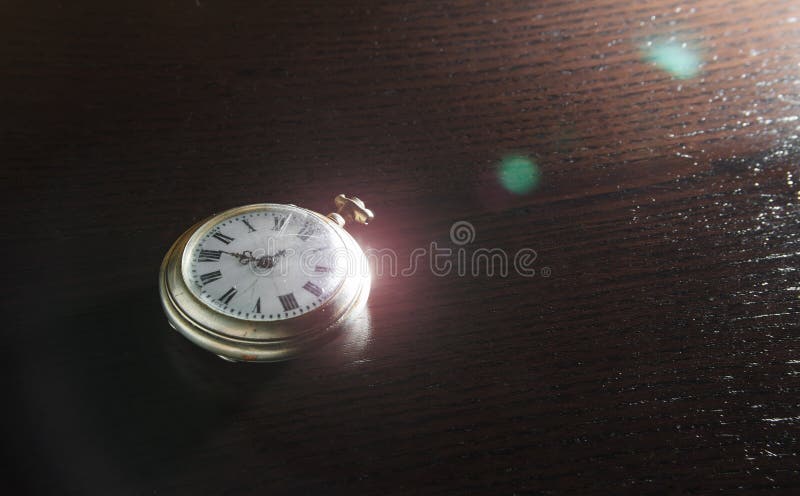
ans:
(263, 262)
(267, 261)
(244, 258)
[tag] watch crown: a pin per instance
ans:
(352, 209)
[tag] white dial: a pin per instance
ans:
(273, 263)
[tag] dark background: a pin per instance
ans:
(662, 353)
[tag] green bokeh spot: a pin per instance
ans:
(519, 174)
(678, 60)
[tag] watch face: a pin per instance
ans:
(267, 262)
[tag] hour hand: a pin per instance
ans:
(244, 258)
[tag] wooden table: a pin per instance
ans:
(655, 350)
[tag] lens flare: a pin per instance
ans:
(518, 174)
(675, 58)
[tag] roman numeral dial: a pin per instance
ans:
(223, 237)
(209, 255)
(268, 263)
(288, 301)
(228, 296)
(310, 228)
(210, 277)
(312, 288)
(279, 221)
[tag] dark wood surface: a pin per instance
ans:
(661, 355)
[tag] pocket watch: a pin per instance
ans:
(264, 282)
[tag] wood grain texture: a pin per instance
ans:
(661, 355)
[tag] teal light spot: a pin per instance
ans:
(518, 174)
(675, 58)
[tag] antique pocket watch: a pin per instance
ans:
(263, 282)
